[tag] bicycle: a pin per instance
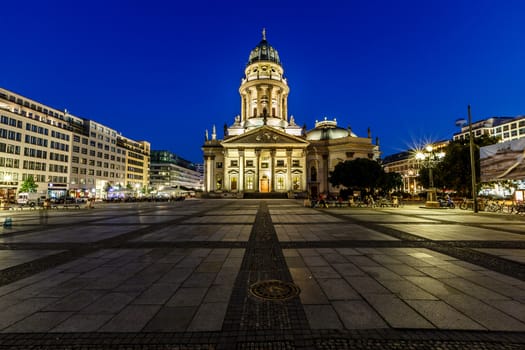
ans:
(466, 204)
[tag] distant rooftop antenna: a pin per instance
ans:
(461, 122)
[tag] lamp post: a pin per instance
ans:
(461, 122)
(431, 157)
(472, 163)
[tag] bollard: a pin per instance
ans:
(8, 222)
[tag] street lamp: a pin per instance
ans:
(431, 157)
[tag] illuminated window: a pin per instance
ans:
(296, 183)
(233, 183)
(249, 182)
(280, 183)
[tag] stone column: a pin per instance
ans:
(285, 108)
(241, 170)
(243, 106)
(210, 173)
(272, 170)
(289, 169)
(325, 173)
(257, 164)
(249, 104)
(304, 183)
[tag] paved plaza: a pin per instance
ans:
(261, 274)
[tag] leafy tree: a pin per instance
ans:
(360, 173)
(453, 172)
(391, 181)
(29, 185)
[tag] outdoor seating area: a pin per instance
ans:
(393, 202)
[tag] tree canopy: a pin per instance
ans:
(28, 185)
(364, 174)
(453, 172)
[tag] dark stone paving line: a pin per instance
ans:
(495, 263)
(24, 270)
(283, 244)
(263, 260)
(400, 244)
(328, 339)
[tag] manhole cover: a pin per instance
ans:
(274, 290)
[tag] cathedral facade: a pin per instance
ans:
(265, 151)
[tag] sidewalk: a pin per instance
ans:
(186, 275)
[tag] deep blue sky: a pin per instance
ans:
(164, 71)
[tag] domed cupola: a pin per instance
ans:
(264, 52)
(264, 89)
(328, 130)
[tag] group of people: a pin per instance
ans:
(321, 201)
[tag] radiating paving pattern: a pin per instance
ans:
(177, 275)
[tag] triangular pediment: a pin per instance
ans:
(265, 135)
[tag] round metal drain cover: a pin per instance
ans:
(274, 290)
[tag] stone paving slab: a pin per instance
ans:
(78, 234)
(392, 218)
(449, 232)
(510, 254)
(327, 232)
(199, 233)
(364, 274)
(10, 258)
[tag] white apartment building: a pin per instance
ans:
(503, 128)
(66, 155)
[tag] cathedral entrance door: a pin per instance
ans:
(313, 192)
(265, 184)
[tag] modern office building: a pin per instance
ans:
(265, 150)
(65, 154)
(173, 174)
(503, 128)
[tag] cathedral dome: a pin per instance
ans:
(264, 52)
(328, 130)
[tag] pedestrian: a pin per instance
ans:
(43, 215)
